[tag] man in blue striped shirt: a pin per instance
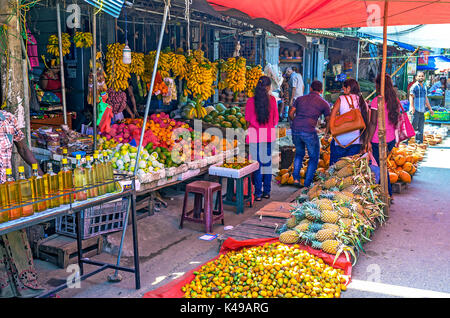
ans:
(418, 101)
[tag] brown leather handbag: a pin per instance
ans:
(347, 122)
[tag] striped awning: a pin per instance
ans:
(112, 7)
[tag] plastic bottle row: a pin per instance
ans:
(94, 178)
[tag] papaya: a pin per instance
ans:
(393, 177)
(283, 172)
(404, 176)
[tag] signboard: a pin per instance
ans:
(412, 67)
(423, 58)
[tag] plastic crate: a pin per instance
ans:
(441, 116)
(101, 219)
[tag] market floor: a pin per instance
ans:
(408, 257)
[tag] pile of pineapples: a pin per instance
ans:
(339, 212)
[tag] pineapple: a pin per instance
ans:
(323, 235)
(289, 237)
(329, 216)
(346, 222)
(357, 207)
(345, 172)
(342, 163)
(291, 222)
(313, 214)
(328, 246)
(347, 182)
(344, 196)
(330, 226)
(344, 212)
(331, 183)
(324, 204)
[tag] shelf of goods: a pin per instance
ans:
(165, 157)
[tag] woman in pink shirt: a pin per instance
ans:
(261, 112)
(392, 112)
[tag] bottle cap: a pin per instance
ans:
(64, 161)
(21, 169)
(105, 153)
(78, 157)
(96, 152)
(95, 155)
(34, 166)
(65, 151)
(8, 171)
(88, 158)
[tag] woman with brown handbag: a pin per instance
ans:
(348, 122)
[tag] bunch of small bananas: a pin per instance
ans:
(251, 79)
(235, 68)
(200, 78)
(198, 111)
(53, 44)
(178, 65)
(137, 63)
(83, 39)
(118, 73)
(163, 65)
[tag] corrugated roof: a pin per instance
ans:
(111, 7)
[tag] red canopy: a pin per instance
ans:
(296, 14)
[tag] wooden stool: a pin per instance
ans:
(237, 198)
(203, 190)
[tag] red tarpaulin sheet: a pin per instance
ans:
(296, 14)
(173, 289)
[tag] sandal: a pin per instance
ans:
(258, 199)
(266, 196)
(297, 184)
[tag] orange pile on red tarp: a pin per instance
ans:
(173, 289)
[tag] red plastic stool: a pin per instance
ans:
(203, 190)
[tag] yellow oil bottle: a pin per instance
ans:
(4, 216)
(26, 193)
(12, 196)
(65, 181)
(80, 180)
(38, 190)
(51, 182)
(97, 165)
(108, 173)
(91, 179)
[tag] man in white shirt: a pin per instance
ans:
(296, 84)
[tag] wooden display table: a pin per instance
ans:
(56, 121)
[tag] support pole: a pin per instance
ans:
(94, 76)
(357, 59)
(61, 64)
(382, 117)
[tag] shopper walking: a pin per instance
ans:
(418, 100)
(262, 114)
(296, 85)
(392, 112)
(304, 115)
(348, 144)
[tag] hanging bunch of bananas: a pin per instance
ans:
(235, 68)
(251, 79)
(178, 65)
(137, 65)
(53, 44)
(163, 65)
(200, 77)
(118, 73)
(83, 39)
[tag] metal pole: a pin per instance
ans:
(357, 60)
(61, 65)
(131, 206)
(382, 118)
(94, 76)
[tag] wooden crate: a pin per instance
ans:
(399, 187)
(62, 250)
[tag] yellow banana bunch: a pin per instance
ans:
(235, 68)
(137, 65)
(198, 112)
(200, 78)
(83, 39)
(251, 79)
(53, 44)
(118, 73)
(163, 65)
(178, 65)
